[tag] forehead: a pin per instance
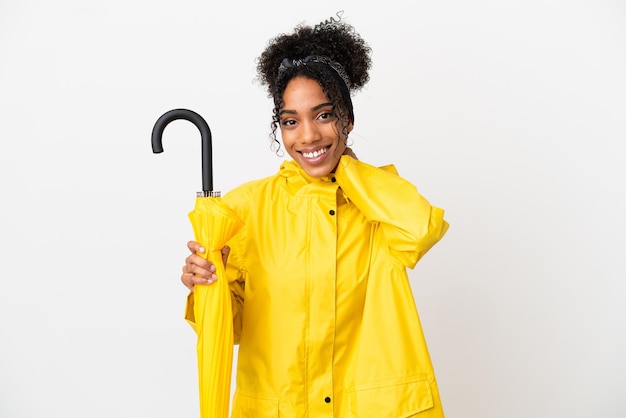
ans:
(303, 91)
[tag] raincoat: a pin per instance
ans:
(322, 306)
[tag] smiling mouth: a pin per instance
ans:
(315, 154)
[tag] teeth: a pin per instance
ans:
(314, 154)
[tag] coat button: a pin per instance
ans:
(327, 399)
(332, 212)
(333, 179)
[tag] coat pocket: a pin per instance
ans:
(393, 401)
(251, 406)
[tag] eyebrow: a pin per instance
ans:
(315, 108)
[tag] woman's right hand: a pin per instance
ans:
(197, 270)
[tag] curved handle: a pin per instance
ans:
(205, 132)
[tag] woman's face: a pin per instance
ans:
(309, 128)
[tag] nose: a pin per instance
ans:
(310, 132)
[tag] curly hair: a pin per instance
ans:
(332, 38)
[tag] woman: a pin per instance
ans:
(323, 310)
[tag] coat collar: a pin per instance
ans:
(298, 182)
(293, 172)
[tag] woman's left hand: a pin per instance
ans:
(348, 151)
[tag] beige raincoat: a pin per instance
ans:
(323, 310)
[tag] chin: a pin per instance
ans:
(317, 172)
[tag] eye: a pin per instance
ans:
(326, 115)
(287, 122)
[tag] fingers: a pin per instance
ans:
(349, 151)
(225, 253)
(197, 270)
(195, 247)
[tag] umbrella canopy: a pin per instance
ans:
(213, 225)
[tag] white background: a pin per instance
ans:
(508, 114)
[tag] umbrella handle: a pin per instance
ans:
(205, 132)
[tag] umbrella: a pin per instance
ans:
(214, 223)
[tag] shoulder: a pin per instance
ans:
(247, 196)
(287, 173)
(248, 188)
(351, 166)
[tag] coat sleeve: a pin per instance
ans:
(236, 275)
(238, 199)
(410, 224)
